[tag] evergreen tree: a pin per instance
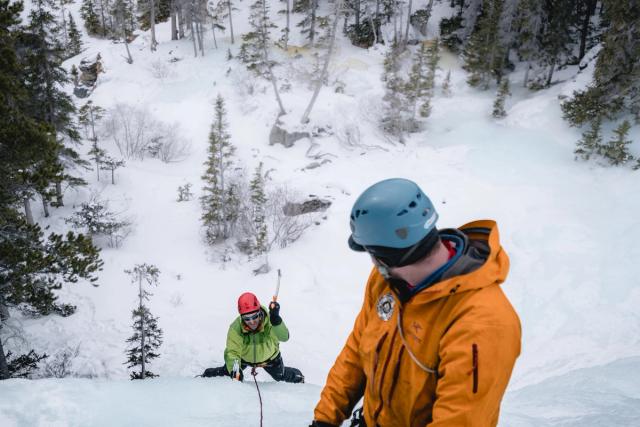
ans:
(591, 142)
(501, 96)
(484, 53)
(419, 87)
(253, 51)
(147, 336)
(32, 268)
(446, 85)
(617, 149)
(528, 22)
(219, 201)
(74, 46)
(259, 240)
(88, 116)
(27, 148)
(96, 219)
(555, 39)
(110, 164)
(616, 84)
(43, 77)
(91, 19)
(396, 117)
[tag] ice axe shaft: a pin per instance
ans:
(275, 296)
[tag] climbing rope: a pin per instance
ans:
(254, 373)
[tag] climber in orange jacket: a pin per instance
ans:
(436, 339)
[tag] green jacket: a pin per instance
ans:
(254, 347)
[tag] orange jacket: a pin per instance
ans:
(462, 328)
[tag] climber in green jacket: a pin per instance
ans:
(254, 340)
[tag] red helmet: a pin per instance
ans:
(247, 303)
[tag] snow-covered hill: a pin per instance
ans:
(570, 228)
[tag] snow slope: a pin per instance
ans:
(570, 228)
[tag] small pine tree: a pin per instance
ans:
(147, 336)
(446, 85)
(108, 163)
(219, 209)
(96, 219)
(617, 149)
(258, 199)
(501, 97)
(74, 46)
(184, 193)
(591, 141)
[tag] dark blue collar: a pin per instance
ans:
(436, 275)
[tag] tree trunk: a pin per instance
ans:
(152, 22)
(406, 33)
(193, 33)
(288, 28)
(27, 210)
(526, 74)
(584, 30)
(59, 198)
(553, 67)
(312, 27)
(4, 368)
(174, 29)
(113, 181)
(181, 23)
(45, 206)
(142, 336)
(325, 67)
(230, 20)
(213, 33)
(104, 26)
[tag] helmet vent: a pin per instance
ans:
(413, 204)
(403, 212)
(361, 212)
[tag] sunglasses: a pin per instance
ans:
(251, 316)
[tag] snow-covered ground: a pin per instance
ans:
(570, 228)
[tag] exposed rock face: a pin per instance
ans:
(279, 135)
(89, 70)
(308, 206)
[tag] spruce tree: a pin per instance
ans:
(396, 118)
(147, 336)
(88, 116)
(257, 212)
(501, 97)
(616, 81)
(617, 149)
(484, 53)
(110, 164)
(591, 142)
(88, 12)
(253, 51)
(529, 18)
(74, 45)
(49, 104)
(219, 202)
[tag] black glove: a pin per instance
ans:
(274, 313)
(320, 424)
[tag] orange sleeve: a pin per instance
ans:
(476, 361)
(346, 380)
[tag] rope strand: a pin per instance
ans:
(254, 373)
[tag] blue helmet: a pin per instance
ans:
(393, 213)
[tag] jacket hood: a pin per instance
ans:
(483, 263)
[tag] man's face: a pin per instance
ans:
(252, 320)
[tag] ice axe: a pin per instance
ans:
(275, 296)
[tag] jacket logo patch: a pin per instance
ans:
(385, 306)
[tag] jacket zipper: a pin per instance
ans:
(474, 350)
